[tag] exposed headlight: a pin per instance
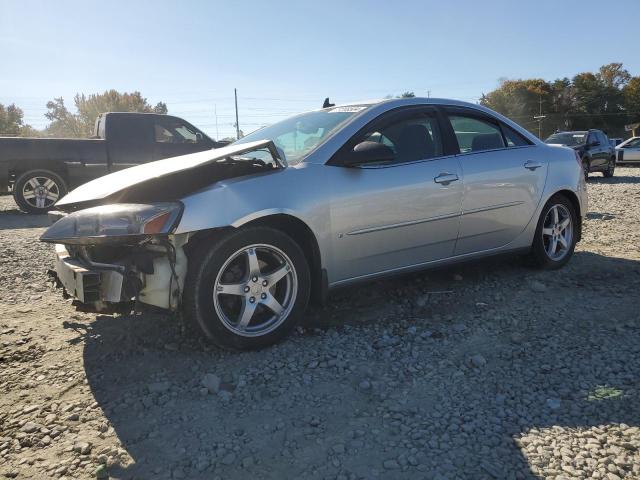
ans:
(118, 222)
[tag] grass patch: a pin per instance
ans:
(603, 392)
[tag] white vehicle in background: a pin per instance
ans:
(629, 151)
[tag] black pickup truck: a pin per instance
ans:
(39, 171)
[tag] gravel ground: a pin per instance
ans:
(490, 370)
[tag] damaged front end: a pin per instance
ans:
(115, 244)
(117, 258)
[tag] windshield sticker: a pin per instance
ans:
(352, 109)
(578, 136)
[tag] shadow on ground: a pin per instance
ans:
(16, 219)
(561, 356)
(616, 179)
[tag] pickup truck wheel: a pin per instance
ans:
(611, 168)
(36, 191)
(247, 290)
(556, 236)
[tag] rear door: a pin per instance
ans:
(173, 137)
(504, 176)
(397, 214)
(129, 140)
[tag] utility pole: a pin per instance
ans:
(428, 93)
(539, 118)
(235, 93)
(215, 112)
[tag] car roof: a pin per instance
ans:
(410, 101)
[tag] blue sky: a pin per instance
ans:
(287, 56)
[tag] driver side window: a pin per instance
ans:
(412, 138)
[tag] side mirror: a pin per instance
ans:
(199, 137)
(369, 152)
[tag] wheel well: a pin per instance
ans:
(59, 169)
(573, 198)
(303, 236)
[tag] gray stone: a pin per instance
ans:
(477, 361)
(364, 385)
(538, 287)
(83, 448)
(338, 448)
(159, 387)
(391, 464)
(30, 427)
(229, 458)
(554, 403)
(211, 382)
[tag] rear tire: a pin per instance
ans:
(611, 168)
(556, 234)
(247, 290)
(37, 191)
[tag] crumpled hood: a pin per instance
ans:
(162, 174)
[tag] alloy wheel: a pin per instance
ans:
(255, 290)
(557, 232)
(41, 192)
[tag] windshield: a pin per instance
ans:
(570, 139)
(297, 136)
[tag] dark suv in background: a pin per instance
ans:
(593, 146)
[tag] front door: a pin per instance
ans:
(396, 214)
(504, 176)
(598, 150)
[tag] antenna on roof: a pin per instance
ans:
(327, 104)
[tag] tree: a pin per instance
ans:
(521, 100)
(12, 124)
(10, 120)
(407, 95)
(604, 99)
(631, 94)
(81, 124)
(63, 123)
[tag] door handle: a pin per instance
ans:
(532, 165)
(446, 178)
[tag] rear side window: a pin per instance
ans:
(476, 135)
(128, 130)
(514, 139)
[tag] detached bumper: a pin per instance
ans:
(98, 290)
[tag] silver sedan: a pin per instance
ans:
(241, 238)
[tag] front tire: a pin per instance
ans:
(556, 234)
(585, 170)
(611, 168)
(247, 290)
(37, 191)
